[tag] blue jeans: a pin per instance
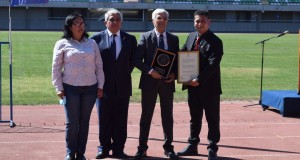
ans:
(78, 108)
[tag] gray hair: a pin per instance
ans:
(158, 11)
(111, 12)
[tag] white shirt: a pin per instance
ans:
(77, 64)
(118, 41)
(165, 39)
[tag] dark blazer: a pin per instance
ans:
(144, 57)
(210, 58)
(117, 72)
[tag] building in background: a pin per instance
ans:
(228, 15)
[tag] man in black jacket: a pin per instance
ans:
(204, 91)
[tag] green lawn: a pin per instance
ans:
(241, 66)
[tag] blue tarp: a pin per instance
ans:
(286, 101)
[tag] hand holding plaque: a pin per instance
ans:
(162, 62)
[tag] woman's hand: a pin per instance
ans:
(61, 94)
(100, 93)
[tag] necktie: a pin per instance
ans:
(161, 42)
(196, 48)
(113, 47)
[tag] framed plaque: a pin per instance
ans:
(188, 66)
(163, 61)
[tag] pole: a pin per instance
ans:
(12, 124)
(299, 64)
(262, 70)
(0, 82)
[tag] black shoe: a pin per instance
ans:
(70, 157)
(212, 155)
(102, 155)
(171, 155)
(120, 155)
(190, 150)
(80, 157)
(140, 154)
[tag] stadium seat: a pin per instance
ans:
(282, 2)
(200, 1)
(181, 1)
(78, 0)
(294, 2)
(160, 1)
(111, 1)
(273, 2)
(278, 2)
(250, 2)
(227, 2)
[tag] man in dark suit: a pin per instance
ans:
(204, 91)
(153, 84)
(117, 49)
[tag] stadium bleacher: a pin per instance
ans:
(284, 2)
(251, 2)
(220, 2)
(107, 1)
(227, 2)
(228, 15)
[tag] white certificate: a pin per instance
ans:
(188, 66)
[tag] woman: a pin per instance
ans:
(77, 75)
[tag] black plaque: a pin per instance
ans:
(163, 61)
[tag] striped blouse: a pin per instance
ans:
(77, 64)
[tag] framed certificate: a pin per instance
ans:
(163, 61)
(188, 66)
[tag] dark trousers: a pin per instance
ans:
(148, 104)
(113, 117)
(211, 105)
(78, 109)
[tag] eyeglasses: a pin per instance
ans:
(79, 24)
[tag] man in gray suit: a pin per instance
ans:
(153, 84)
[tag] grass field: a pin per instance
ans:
(240, 67)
